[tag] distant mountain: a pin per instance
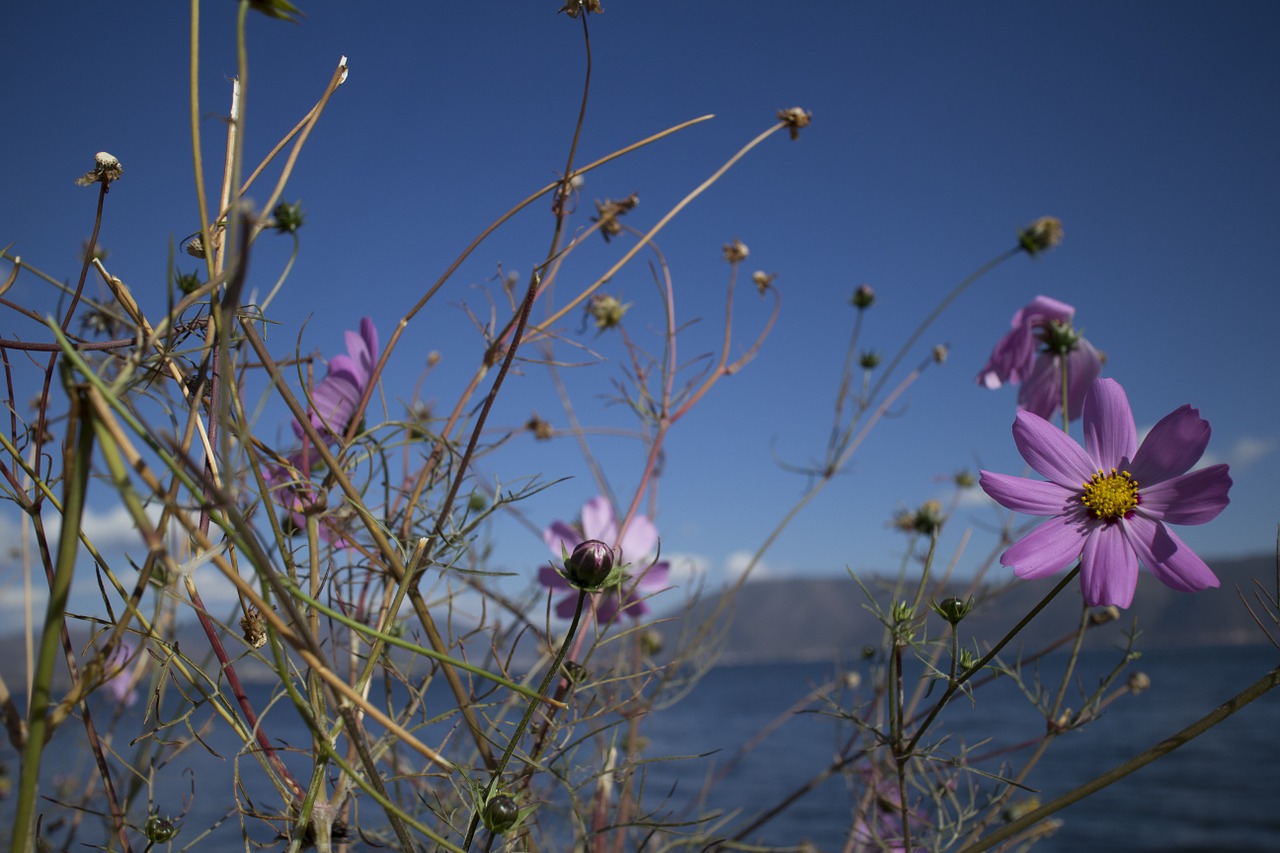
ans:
(792, 619)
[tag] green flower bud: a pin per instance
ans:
(288, 217)
(159, 829)
(953, 609)
(500, 814)
(864, 297)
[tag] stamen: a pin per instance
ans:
(1111, 496)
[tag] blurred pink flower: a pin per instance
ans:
(1015, 359)
(118, 674)
(640, 540)
(1110, 502)
(333, 401)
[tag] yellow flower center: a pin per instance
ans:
(1111, 496)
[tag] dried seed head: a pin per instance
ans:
(763, 280)
(606, 310)
(795, 119)
(736, 251)
(106, 169)
(254, 627)
(1041, 235)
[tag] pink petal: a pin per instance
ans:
(1110, 437)
(1051, 452)
(1034, 497)
(1050, 548)
(634, 606)
(567, 606)
(1168, 557)
(599, 521)
(561, 536)
(1041, 391)
(639, 540)
(1174, 444)
(1193, 498)
(550, 578)
(1083, 366)
(606, 608)
(1108, 568)
(655, 578)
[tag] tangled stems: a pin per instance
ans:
(524, 721)
(955, 684)
(1254, 691)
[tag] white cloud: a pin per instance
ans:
(737, 563)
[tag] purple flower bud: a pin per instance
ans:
(589, 565)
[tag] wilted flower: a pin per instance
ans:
(573, 8)
(795, 118)
(106, 169)
(1041, 235)
(542, 430)
(1110, 502)
(1015, 359)
(599, 522)
(736, 251)
(940, 353)
(608, 211)
(762, 280)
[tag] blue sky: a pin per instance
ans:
(938, 129)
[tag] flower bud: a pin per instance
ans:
(1138, 682)
(940, 353)
(159, 829)
(953, 609)
(869, 360)
(863, 297)
(589, 565)
(288, 217)
(500, 814)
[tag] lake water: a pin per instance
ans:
(1219, 792)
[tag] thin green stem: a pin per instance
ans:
(76, 485)
(969, 673)
(524, 721)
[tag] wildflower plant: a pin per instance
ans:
(446, 701)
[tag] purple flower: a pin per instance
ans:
(118, 678)
(1015, 359)
(334, 400)
(1110, 502)
(600, 522)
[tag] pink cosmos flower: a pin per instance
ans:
(1110, 502)
(640, 540)
(1015, 359)
(334, 400)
